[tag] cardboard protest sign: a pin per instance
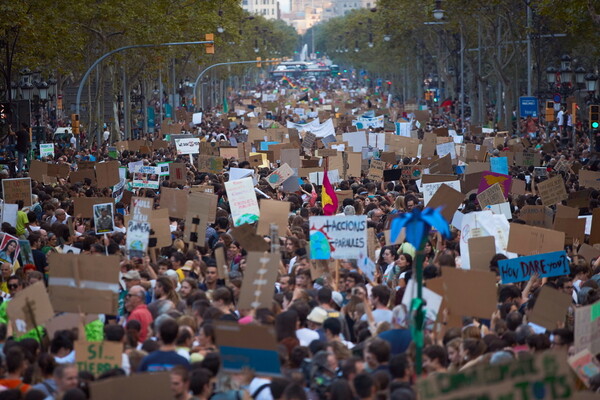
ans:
(37, 170)
(188, 145)
(579, 199)
(160, 234)
(174, 200)
(441, 166)
(98, 357)
(143, 386)
(447, 198)
(210, 202)
(273, 212)
(280, 175)
(17, 189)
(237, 352)
(482, 286)
(585, 365)
(481, 251)
(67, 321)
(138, 236)
(490, 196)
(196, 219)
(527, 159)
(107, 174)
(177, 173)
(545, 265)
(84, 206)
(210, 164)
(429, 189)
(30, 308)
(540, 216)
(587, 326)
(574, 228)
(589, 179)
(550, 308)
(517, 187)
(595, 231)
(338, 237)
(376, 170)
(482, 223)
(588, 252)
(502, 381)
(488, 178)
(104, 218)
(80, 283)
(259, 280)
(58, 170)
(247, 237)
(552, 190)
(530, 240)
(141, 208)
(242, 200)
(81, 175)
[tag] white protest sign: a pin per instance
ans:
(432, 299)
(187, 145)
(46, 149)
(429, 189)
(446, 148)
(316, 178)
(197, 118)
(138, 235)
(483, 223)
(242, 200)
(338, 237)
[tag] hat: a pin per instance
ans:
(317, 315)
(188, 266)
(132, 275)
(337, 298)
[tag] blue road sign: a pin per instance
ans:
(528, 107)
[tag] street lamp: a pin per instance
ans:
(42, 88)
(27, 90)
(579, 75)
(590, 82)
(256, 49)
(551, 75)
(14, 90)
(387, 37)
(356, 49)
(438, 13)
(371, 44)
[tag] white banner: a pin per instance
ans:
(188, 146)
(338, 237)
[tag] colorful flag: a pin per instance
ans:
(288, 81)
(329, 199)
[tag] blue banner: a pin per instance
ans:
(545, 265)
(168, 111)
(151, 117)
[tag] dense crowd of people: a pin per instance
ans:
(340, 335)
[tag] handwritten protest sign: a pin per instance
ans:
(589, 179)
(429, 189)
(138, 234)
(212, 164)
(177, 173)
(141, 208)
(280, 175)
(242, 200)
(585, 365)
(98, 357)
(490, 196)
(543, 373)
(338, 237)
(17, 189)
(545, 265)
(376, 170)
(188, 146)
(552, 190)
(540, 216)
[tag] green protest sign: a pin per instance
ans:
(545, 376)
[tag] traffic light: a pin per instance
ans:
(210, 47)
(258, 62)
(549, 111)
(594, 116)
(4, 114)
(75, 123)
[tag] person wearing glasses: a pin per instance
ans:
(136, 305)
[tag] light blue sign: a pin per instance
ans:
(545, 265)
(151, 117)
(528, 107)
(264, 146)
(168, 111)
(499, 165)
